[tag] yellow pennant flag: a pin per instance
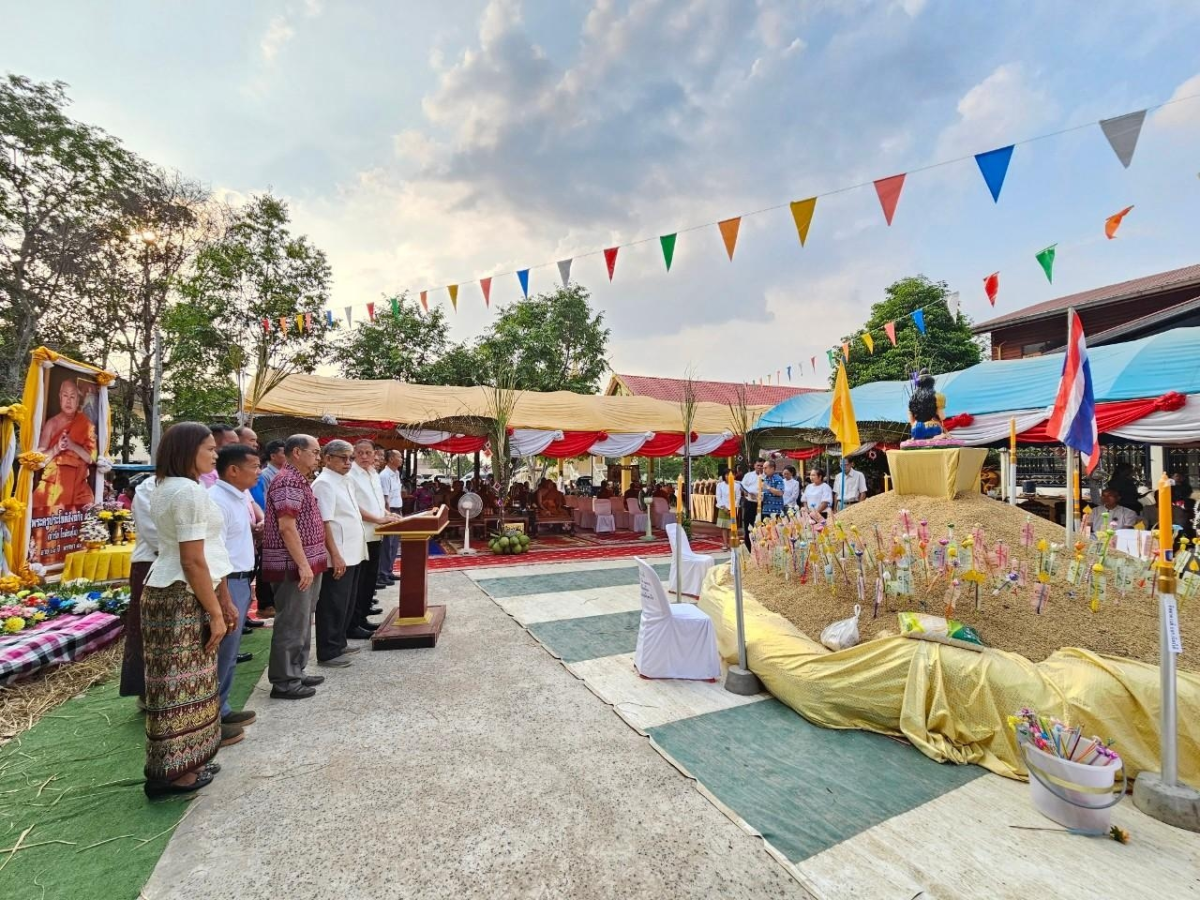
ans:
(841, 415)
(453, 289)
(300, 321)
(870, 342)
(802, 212)
(729, 233)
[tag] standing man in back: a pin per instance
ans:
(750, 483)
(393, 502)
(369, 494)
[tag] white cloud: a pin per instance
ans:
(279, 32)
(1003, 107)
(1183, 114)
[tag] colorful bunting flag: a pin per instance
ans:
(486, 285)
(802, 214)
(952, 305)
(523, 277)
(994, 166)
(1045, 259)
(329, 317)
(300, 323)
(814, 365)
(349, 317)
(283, 325)
(425, 300)
(888, 190)
(564, 271)
(453, 289)
(371, 311)
(918, 317)
(267, 325)
(668, 248)
(779, 376)
(308, 321)
(1113, 222)
(890, 330)
(846, 350)
(395, 307)
(610, 260)
(729, 233)
(991, 284)
(789, 368)
(1122, 133)
(829, 358)
(870, 342)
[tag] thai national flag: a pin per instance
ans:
(1074, 418)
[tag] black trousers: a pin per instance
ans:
(335, 610)
(368, 570)
(749, 517)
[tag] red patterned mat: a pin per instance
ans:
(627, 549)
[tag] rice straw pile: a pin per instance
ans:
(24, 703)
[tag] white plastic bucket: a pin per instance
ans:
(1072, 794)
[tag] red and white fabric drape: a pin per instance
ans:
(569, 444)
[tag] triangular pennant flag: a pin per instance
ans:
(610, 260)
(829, 359)
(486, 285)
(1122, 133)
(813, 360)
(1046, 260)
(425, 300)
(991, 284)
(952, 304)
(300, 323)
(1113, 222)
(789, 368)
(453, 289)
(395, 307)
(729, 233)
(371, 311)
(267, 325)
(564, 271)
(329, 317)
(779, 376)
(308, 321)
(846, 350)
(668, 248)
(523, 277)
(870, 342)
(283, 325)
(802, 213)
(349, 317)
(918, 317)
(888, 190)
(890, 330)
(994, 166)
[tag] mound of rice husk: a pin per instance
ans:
(1125, 626)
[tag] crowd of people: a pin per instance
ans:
(221, 523)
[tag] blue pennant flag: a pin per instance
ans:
(994, 166)
(329, 317)
(789, 373)
(918, 317)
(523, 277)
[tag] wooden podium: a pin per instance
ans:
(413, 623)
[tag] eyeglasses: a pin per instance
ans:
(344, 457)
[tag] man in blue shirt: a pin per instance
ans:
(772, 501)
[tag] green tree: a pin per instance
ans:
(242, 286)
(946, 346)
(403, 343)
(551, 342)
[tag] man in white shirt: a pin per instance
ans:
(1118, 516)
(237, 471)
(393, 502)
(346, 544)
(145, 552)
(750, 483)
(850, 486)
(369, 494)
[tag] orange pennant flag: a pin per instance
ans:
(890, 328)
(802, 213)
(1112, 223)
(453, 289)
(870, 342)
(425, 300)
(283, 325)
(729, 233)
(846, 350)
(486, 284)
(888, 190)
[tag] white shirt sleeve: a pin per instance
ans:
(324, 491)
(189, 510)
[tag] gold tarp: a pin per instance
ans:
(952, 703)
(936, 473)
(417, 405)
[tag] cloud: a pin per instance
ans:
(279, 32)
(1184, 114)
(1003, 107)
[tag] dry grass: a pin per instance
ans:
(1127, 628)
(24, 703)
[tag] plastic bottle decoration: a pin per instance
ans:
(878, 596)
(923, 531)
(1051, 563)
(939, 555)
(1027, 533)
(861, 581)
(1041, 594)
(904, 579)
(1099, 587)
(905, 521)
(952, 592)
(1073, 570)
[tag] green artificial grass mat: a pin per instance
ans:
(71, 791)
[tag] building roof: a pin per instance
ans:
(1126, 290)
(1150, 320)
(671, 390)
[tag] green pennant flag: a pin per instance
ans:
(668, 247)
(1046, 260)
(395, 307)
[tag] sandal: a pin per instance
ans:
(166, 788)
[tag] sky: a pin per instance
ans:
(422, 144)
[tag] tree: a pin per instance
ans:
(259, 294)
(403, 343)
(62, 186)
(947, 345)
(551, 342)
(460, 365)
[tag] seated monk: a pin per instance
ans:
(660, 490)
(635, 490)
(605, 491)
(550, 501)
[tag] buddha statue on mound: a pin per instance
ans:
(927, 417)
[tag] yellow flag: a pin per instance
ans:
(802, 213)
(870, 342)
(300, 321)
(453, 289)
(841, 415)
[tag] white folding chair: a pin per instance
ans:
(675, 640)
(632, 518)
(604, 519)
(695, 565)
(660, 513)
(583, 514)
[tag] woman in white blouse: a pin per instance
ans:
(185, 612)
(818, 496)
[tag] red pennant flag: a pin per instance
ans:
(814, 365)
(610, 259)
(890, 328)
(267, 325)
(283, 325)
(888, 190)
(308, 320)
(486, 284)
(371, 311)
(991, 284)
(1112, 223)
(425, 300)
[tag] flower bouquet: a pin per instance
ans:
(26, 608)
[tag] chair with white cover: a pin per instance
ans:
(631, 517)
(695, 565)
(660, 513)
(604, 519)
(675, 640)
(583, 514)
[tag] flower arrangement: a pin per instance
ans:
(93, 531)
(32, 459)
(26, 608)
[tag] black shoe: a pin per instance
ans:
(300, 693)
(245, 629)
(359, 634)
(166, 788)
(311, 681)
(391, 579)
(255, 623)
(380, 585)
(245, 657)
(375, 611)
(369, 626)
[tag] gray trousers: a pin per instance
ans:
(227, 650)
(291, 632)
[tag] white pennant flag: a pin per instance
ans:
(564, 271)
(349, 319)
(952, 304)
(1122, 133)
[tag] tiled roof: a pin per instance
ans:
(1161, 317)
(671, 389)
(1126, 290)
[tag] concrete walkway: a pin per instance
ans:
(482, 768)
